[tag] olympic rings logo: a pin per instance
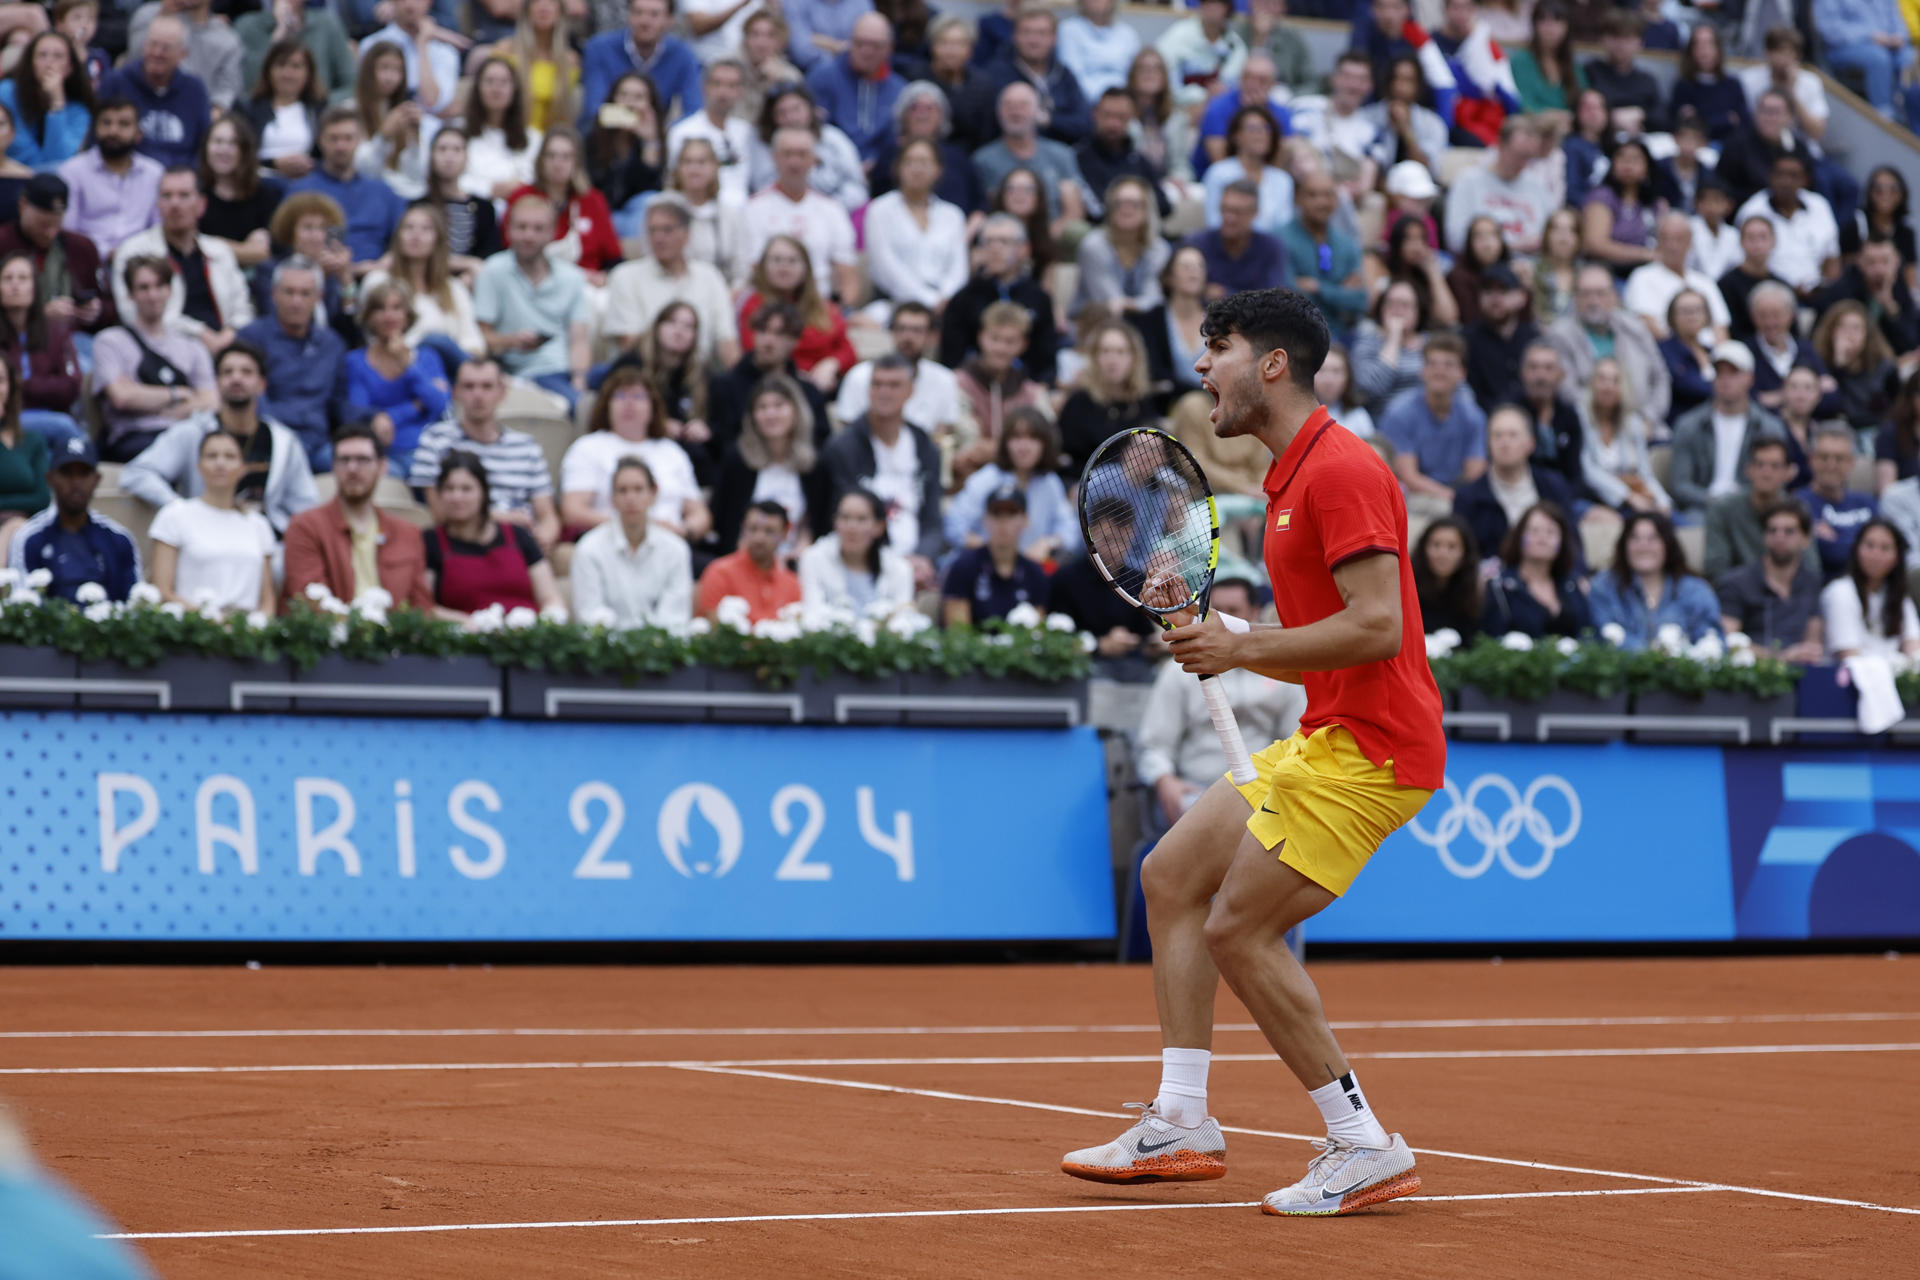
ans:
(1496, 836)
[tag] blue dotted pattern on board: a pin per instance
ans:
(1008, 831)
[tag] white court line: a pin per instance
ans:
(1124, 1028)
(1081, 1060)
(847, 1217)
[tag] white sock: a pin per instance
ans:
(1183, 1086)
(1347, 1114)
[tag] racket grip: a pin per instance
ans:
(1224, 724)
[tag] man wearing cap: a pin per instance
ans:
(1711, 442)
(1652, 287)
(66, 264)
(1498, 339)
(987, 581)
(68, 539)
(112, 190)
(210, 298)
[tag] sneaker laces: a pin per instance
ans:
(1330, 1149)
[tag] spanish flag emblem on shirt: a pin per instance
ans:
(1283, 520)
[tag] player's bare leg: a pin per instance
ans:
(1175, 1140)
(1261, 898)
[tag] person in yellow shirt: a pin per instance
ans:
(541, 46)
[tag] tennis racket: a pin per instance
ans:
(1152, 530)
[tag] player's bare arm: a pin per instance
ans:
(1366, 630)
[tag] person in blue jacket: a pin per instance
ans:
(1650, 586)
(857, 89)
(175, 111)
(643, 47)
(1030, 56)
(71, 541)
(51, 101)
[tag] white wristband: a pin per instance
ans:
(1239, 626)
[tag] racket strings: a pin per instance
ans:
(1149, 520)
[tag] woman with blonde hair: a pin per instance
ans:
(582, 224)
(1160, 131)
(774, 460)
(763, 51)
(399, 143)
(1121, 261)
(541, 46)
(285, 109)
(719, 232)
(1112, 395)
(1614, 461)
(785, 274)
(443, 307)
(1856, 353)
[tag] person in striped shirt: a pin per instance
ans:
(517, 472)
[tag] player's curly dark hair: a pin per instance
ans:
(1274, 319)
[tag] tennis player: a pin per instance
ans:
(1246, 864)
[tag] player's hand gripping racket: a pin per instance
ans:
(1151, 529)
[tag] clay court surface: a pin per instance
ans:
(1574, 1118)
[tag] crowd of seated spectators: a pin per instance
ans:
(842, 295)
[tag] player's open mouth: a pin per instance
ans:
(1213, 414)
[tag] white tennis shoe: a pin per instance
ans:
(1344, 1178)
(1154, 1150)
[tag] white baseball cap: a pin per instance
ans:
(1410, 178)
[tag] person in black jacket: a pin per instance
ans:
(1536, 592)
(1499, 338)
(1004, 244)
(776, 332)
(288, 82)
(884, 454)
(774, 458)
(1108, 152)
(1512, 481)
(1446, 574)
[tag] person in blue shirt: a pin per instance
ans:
(1324, 261)
(1439, 436)
(1650, 586)
(372, 207)
(50, 99)
(1238, 257)
(1870, 37)
(857, 89)
(644, 47)
(49, 1230)
(1257, 81)
(175, 111)
(401, 388)
(306, 371)
(822, 29)
(990, 580)
(1838, 512)
(68, 539)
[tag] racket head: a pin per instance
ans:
(1149, 522)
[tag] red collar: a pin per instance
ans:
(1287, 465)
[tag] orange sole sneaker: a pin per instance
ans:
(1404, 1184)
(1179, 1166)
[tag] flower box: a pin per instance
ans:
(994, 701)
(743, 699)
(1756, 712)
(195, 683)
(542, 695)
(1525, 716)
(404, 684)
(33, 662)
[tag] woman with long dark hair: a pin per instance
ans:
(473, 228)
(1896, 446)
(1253, 155)
(1392, 343)
(628, 418)
(50, 97)
(1029, 447)
(1334, 385)
(1868, 612)
(1650, 586)
(1883, 211)
(1446, 573)
(1705, 87)
(500, 144)
(39, 351)
(1484, 246)
(1617, 221)
(1535, 591)
(853, 569)
(240, 203)
(1171, 331)
(1410, 257)
(627, 147)
(1688, 349)
(774, 460)
(583, 231)
(1022, 194)
(474, 561)
(285, 108)
(397, 149)
(669, 353)
(1544, 71)
(1856, 353)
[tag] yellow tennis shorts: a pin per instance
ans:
(1325, 806)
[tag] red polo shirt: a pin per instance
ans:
(1330, 498)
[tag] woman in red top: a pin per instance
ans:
(583, 225)
(39, 352)
(785, 272)
(475, 561)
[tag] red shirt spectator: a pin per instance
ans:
(580, 212)
(752, 573)
(785, 272)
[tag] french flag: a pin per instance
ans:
(1441, 81)
(1484, 80)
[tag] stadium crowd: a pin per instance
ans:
(632, 308)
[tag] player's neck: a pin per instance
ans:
(1286, 422)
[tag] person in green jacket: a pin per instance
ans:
(23, 466)
(1544, 73)
(317, 29)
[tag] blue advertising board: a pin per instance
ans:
(284, 828)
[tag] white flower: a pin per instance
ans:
(878, 610)
(555, 612)
(1023, 615)
(908, 623)
(1437, 646)
(39, 579)
(519, 618)
(1738, 640)
(90, 593)
(1566, 646)
(337, 635)
(865, 631)
(734, 612)
(699, 627)
(1743, 657)
(1088, 643)
(174, 609)
(25, 597)
(1614, 634)
(337, 607)
(144, 593)
(599, 616)
(791, 612)
(317, 591)
(1670, 638)
(9, 578)
(827, 618)
(257, 621)
(1449, 637)
(1708, 648)
(1061, 622)
(487, 620)
(98, 611)
(777, 629)
(1518, 641)
(373, 600)
(1001, 638)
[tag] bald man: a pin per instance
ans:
(1020, 146)
(857, 88)
(1653, 286)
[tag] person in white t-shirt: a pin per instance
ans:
(1806, 239)
(1856, 606)
(719, 27)
(1783, 71)
(1652, 286)
(208, 554)
(723, 83)
(790, 207)
(629, 421)
(935, 404)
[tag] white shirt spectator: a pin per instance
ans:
(639, 290)
(1808, 93)
(1849, 627)
(1176, 732)
(445, 60)
(1098, 57)
(588, 465)
(1653, 285)
(816, 221)
(1714, 253)
(1800, 243)
(1351, 136)
(896, 482)
(733, 144)
(407, 175)
(724, 39)
(719, 236)
(289, 133)
(935, 401)
(224, 281)
(827, 583)
(650, 585)
(1729, 433)
(911, 265)
(429, 316)
(223, 552)
(1520, 207)
(490, 161)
